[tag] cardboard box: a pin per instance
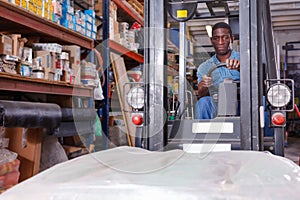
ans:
(54, 60)
(46, 58)
(27, 55)
(15, 43)
(47, 63)
(27, 144)
(66, 76)
(74, 53)
(53, 47)
(75, 62)
(5, 45)
(76, 74)
(99, 8)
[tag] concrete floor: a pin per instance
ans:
(292, 151)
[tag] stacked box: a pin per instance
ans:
(9, 174)
(25, 69)
(90, 24)
(74, 22)
(27, 55)
(74, 58)
(67, 21)
(55, 18)
(113, 21)
(64, 65)
(5, 45)
(67, 15)
(90, 13)
(39, 6)
(46, 8)
(88, 73)
(31, 7)
(18, 3)
(52, 47)
(99, 8)
(80, 22)
(46, 63)
(57, 11)
(50, 10)
(57, 8)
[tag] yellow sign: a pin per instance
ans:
(182, 13)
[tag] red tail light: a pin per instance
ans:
(137, 119)
(278, 119)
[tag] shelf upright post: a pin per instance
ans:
(155, 130)
(182, 68)
(246, 59)
(106, 67)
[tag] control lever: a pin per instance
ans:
(297, 110)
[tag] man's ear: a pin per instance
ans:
(211, 40)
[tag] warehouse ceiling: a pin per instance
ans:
(285, 17)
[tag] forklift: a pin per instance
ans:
(263, 97)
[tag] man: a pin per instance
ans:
(221, 40)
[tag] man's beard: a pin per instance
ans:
(225, 53)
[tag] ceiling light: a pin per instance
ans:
(208, 30)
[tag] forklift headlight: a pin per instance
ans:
(135, 97)
(279, 95)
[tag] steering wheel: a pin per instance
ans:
(215, 67)
(209, 73)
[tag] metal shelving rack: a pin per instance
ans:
(110, 45)
(16, 83)
(14, 19)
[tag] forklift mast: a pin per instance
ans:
(257, 64)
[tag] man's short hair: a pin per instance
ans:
(222, 25)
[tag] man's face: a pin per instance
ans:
(221, 40)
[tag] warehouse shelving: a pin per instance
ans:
(126, 10)
(125, 13)
(116, 47)
(10, 82)
(14, 19)
(129, 11)
(17, 20)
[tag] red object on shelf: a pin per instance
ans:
(135, 26)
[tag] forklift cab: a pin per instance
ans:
(263, 95)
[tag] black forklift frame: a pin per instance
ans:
(255, 37)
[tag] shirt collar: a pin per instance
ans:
(216, 60)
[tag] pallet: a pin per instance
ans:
(136, 5)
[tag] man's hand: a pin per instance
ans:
(233, 64)
(203, 86)
(207, 81)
